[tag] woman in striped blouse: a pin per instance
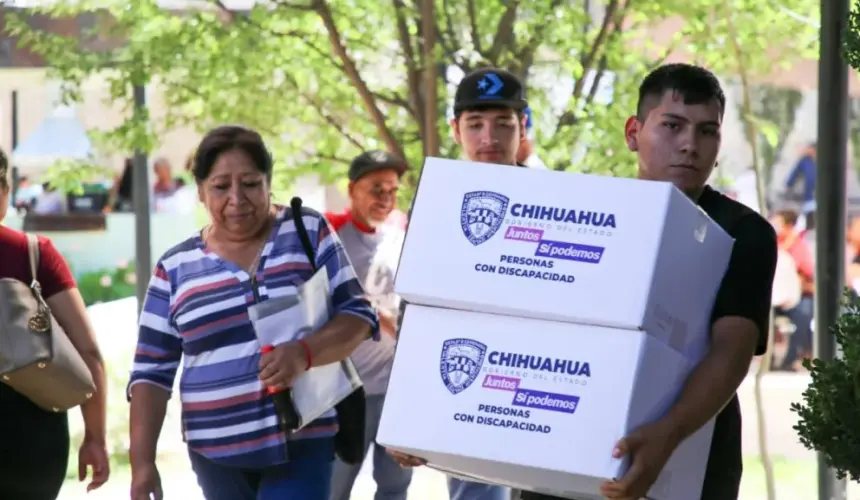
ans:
(196, 311)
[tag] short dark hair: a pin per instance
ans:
(4, 171)
(695, 84)
(227, 138)
(788, 216)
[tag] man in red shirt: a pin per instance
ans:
(372, 241)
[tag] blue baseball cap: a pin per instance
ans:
(490, 88)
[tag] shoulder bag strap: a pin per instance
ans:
(33, 251)
(296, 205)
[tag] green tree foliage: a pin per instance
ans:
(745, 42)
(852, 37)
(325, 79)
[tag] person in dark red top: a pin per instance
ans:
(34, 444)
(791, 240)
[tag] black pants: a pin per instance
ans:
(34, 449)
(721, 483)
(800, 342)
(713, 489)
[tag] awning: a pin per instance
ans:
(58, 137)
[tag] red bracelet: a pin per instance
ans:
(308, 357)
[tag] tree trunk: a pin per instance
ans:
(431, 108)
(752, 134)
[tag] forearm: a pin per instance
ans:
(387, 324)
(709, 388)
(148, 408)
(337, 339)
(94, 411)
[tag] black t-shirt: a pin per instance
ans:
(745, 292)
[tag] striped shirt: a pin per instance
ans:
(196, 311)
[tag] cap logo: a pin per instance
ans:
(489, 86)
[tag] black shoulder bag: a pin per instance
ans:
(349, 440)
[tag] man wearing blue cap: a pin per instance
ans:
(490, 126)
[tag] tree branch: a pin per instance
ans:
(331, 158)
(322, 8)
(413, 77)
(224, 10)
(448, 39)
(298, 35)
(473, 27)
(672, 47)
(292, 5)
(325, 115)
(595, 84)
(328, 118)
(613, 20)
(504, 32)
(448, 49)
(394, 100)
(527, 54)
(596, 46)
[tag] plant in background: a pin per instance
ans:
(106, 285)
(70, 176)
(829, 415)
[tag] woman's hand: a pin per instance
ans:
(146, 482)
(93, 455)
(279, 367)
(405, 460)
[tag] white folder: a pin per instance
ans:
(284, 319)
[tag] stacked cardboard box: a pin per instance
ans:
(549, 315)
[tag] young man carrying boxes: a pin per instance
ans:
(676, 135)
(490, 126)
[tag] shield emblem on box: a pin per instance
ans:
(482, 215)
(461, 363)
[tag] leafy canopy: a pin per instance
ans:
(326, 79)
(852, 37)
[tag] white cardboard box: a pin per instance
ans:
(577, 248)
(533, 404)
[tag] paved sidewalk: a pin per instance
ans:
(427, 484)
(795, 481)
(796, 471)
